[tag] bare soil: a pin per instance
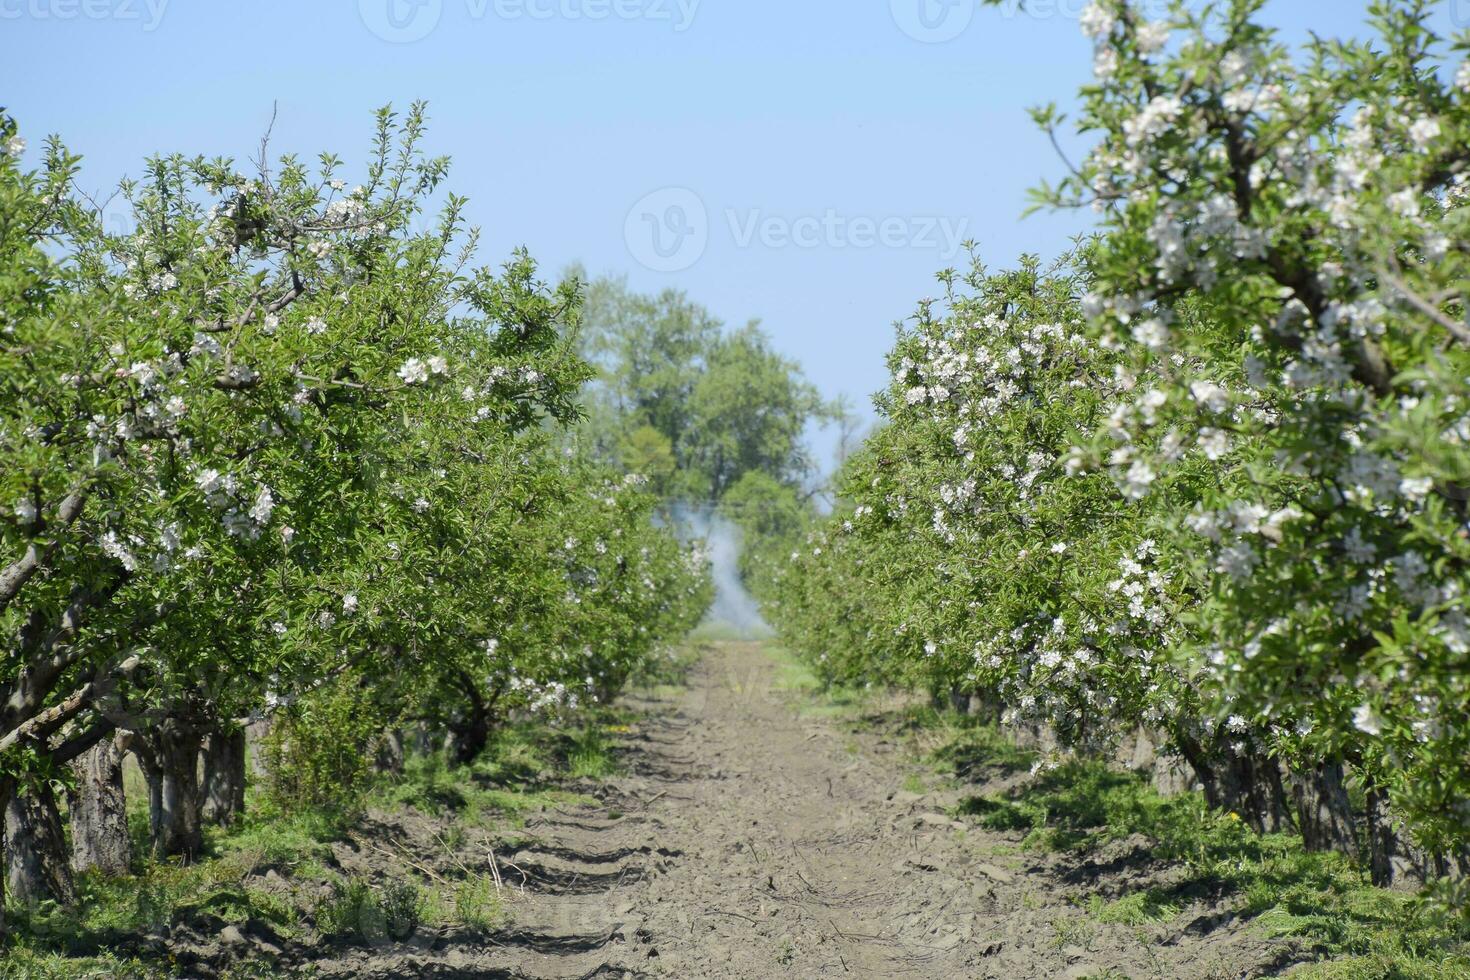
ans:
(748, 838)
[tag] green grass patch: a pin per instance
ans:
(520, 774)
(1136, 909)
(816, 699)
(1323, 899)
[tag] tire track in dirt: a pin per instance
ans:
(749, 839)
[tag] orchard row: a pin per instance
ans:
(280, 452)
(1208, 474)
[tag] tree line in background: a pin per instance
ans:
(1207, 476)
(697, 408)
(283, 454)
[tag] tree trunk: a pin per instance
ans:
(389, 757)
(224, 777)
(7, 789)
(1382, 841)
(470, 732)
(98, 810)
(1324, 812)
(255, 735)
(469, 736)
(1247, 785)
(171, 764)
(35, 856)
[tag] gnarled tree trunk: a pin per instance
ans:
(36, 868)
(7, 789)
(171, 764)
(224, 777)
(98, 810)
(1382, 841)
(1324, 812)
(470, 732)
(1247, 785)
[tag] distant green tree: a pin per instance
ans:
(750, 410)
(686, 403)
(765, 508)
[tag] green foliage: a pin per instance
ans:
(1206, 474)
(589, 756)
(349, 911)
(478, 904)
(281, 448)
(689, 404)
(319, 751)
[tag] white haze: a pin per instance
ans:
(734, 608)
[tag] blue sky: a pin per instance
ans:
(811, 164)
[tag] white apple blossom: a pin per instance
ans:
(1424, 132)
(413, 371)
(1366, 720)
(1139, 478)
(1097, 20)
(264, 506)
(1152, 333)
(1416, 488)
(113, 546)
(1152, 36)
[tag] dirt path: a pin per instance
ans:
(748, 839)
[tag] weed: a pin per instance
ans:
(478, 904)
(1136, 909)
(590, 755)
(349, 912)
(1071, 931)
(402, 907)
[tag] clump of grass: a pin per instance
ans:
(1136, 909)
(590, 754)
(355, 911)
(349, 911)
(23, 963)
(1071, 931)
(478, 903)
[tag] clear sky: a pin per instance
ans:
(812, 164)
